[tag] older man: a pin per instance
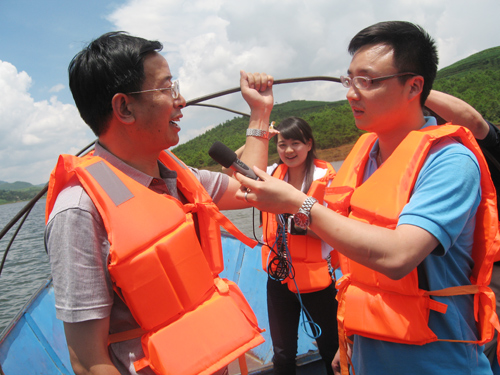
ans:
(133, 234)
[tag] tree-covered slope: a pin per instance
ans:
(476, 80)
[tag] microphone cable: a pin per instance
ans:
(280, 267)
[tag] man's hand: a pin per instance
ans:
(269, 194)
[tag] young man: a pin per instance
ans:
(132, 233)
(410, 211)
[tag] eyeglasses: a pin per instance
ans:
(364, 83)
(176, 91)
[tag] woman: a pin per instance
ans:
(308, 275)
(295, 260)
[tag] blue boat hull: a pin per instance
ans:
(34, 343)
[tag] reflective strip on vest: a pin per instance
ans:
(117, 191)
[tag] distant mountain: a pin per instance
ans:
(18, 185)
(18, 191)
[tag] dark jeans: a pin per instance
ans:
(284, 314)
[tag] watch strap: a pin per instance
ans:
(257, 133)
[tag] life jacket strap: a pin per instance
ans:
(242, 361)
(345, 360)
(221, 220)
(125, 335)
(454, 291)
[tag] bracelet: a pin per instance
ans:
(257, 133)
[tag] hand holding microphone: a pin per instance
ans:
(228, 159)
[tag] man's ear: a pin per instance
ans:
(122, 108)
(416, 86)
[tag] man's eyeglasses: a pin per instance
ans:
(364, 83)
(176, 91)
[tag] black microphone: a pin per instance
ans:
(228, 159)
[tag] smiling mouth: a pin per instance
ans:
(175, 125)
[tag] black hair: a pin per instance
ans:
(414, 50)
(298, 129)
(110, 64)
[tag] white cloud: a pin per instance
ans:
(207, 42)
(57, 88)
(34, 133)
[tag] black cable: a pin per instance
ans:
(276, 82)
(4, 258)
(223, 108)
(283, 268)
(280, 267)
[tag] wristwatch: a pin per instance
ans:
(257, 133)
(302, 218)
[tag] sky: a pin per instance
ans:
(206, 43)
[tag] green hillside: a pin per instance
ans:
(18, 185)
(17, 191)
(475, 79)
(332, 124)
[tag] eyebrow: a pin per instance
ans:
(362, 72)
(168, 79)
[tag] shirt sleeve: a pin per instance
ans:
(78, 250)
(446, 194)
(215, 183)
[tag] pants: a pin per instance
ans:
(284, 315)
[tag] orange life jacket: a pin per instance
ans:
(164, 262)
(398, 310)
(311, 270)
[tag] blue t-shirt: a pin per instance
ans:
(443, 202)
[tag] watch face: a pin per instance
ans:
(301, 220)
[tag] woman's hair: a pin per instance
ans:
(298, 129)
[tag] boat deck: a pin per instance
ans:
(307, 364)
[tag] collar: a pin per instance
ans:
(429, 121)
(133, 173)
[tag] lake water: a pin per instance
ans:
(27, 267)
